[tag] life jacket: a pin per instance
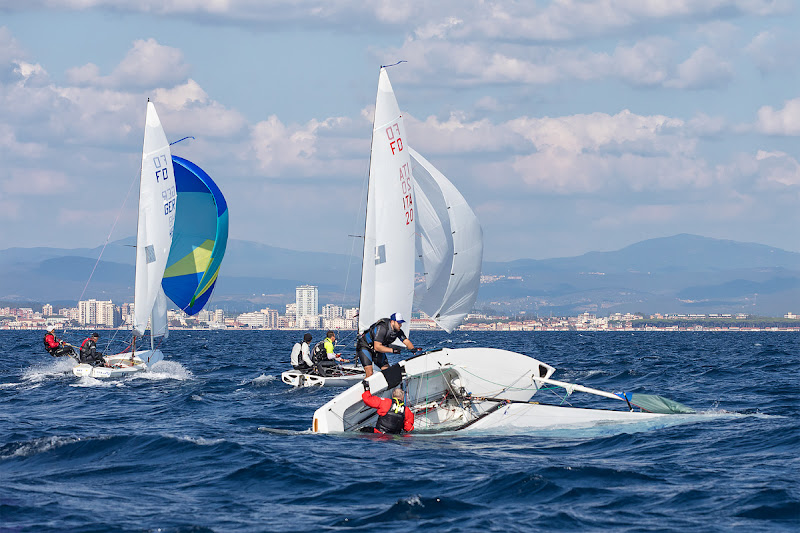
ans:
(47, 347)
(369, 335)
(85, 348)
(319, 353)
(392, 421)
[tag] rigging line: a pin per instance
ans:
(108, 238)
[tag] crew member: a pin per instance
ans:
(301, 354)
(89, 353)
(375, 342)
(56, 347)
(323, 355)
(393, 416)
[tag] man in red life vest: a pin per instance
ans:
(89, 353)
(393, 416)
(56, 347)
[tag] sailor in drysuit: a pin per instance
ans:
(393, 416)
(54, 346)
(89, 353)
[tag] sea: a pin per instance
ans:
(184, 447)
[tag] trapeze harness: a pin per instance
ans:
(368, 337)
(392, 421)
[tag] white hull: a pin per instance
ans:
(120, 365)
(297, 378)
(537, 416)
(460, 390)
(437, 384)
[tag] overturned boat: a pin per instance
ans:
(480, 389)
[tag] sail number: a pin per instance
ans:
(160, 162)
(405, 185)
(395, 142)
(169, 196)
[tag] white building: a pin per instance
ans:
(254, 320)
(96, 312)
(47, 310)
(332, 311)
(307, 301)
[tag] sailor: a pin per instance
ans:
(323, 355)
(56, 347)
(393, 416)
(301, 358)
(375, 342)
(89, 353)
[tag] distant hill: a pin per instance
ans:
(678, 274)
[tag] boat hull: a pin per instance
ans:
(433, 381)
(120, 365)
(350, 376)
(538, 416)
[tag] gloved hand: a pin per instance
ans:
(396, 349)
(365, 383)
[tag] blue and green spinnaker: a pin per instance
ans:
(199, 238)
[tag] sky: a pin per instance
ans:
(569, 126)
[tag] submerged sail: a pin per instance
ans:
(450, 245)
(157, 203)
(387, 278)
(200, 238)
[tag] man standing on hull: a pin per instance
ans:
(376, 342)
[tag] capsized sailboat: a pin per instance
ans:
(178, 251)
(452, 389)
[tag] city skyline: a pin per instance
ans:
(568, 126)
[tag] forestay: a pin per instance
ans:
(387, 279)
(450, 244)
(199, 239)
(157, 203)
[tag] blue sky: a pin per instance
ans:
(569, 126)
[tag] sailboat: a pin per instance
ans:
(461, 389)
(387, 270)
(178, 252)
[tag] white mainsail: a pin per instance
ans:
(387, 278)
(157, 201)
(451, 246)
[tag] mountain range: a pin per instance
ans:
(679, 274)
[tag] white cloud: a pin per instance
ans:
(300, 150)
(774, 52)
(703, 69)
(784, 121)
(147, 65)
(36, 182)
(777, 170)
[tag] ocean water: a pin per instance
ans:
(179, 449)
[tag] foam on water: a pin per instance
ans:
(164, 370)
